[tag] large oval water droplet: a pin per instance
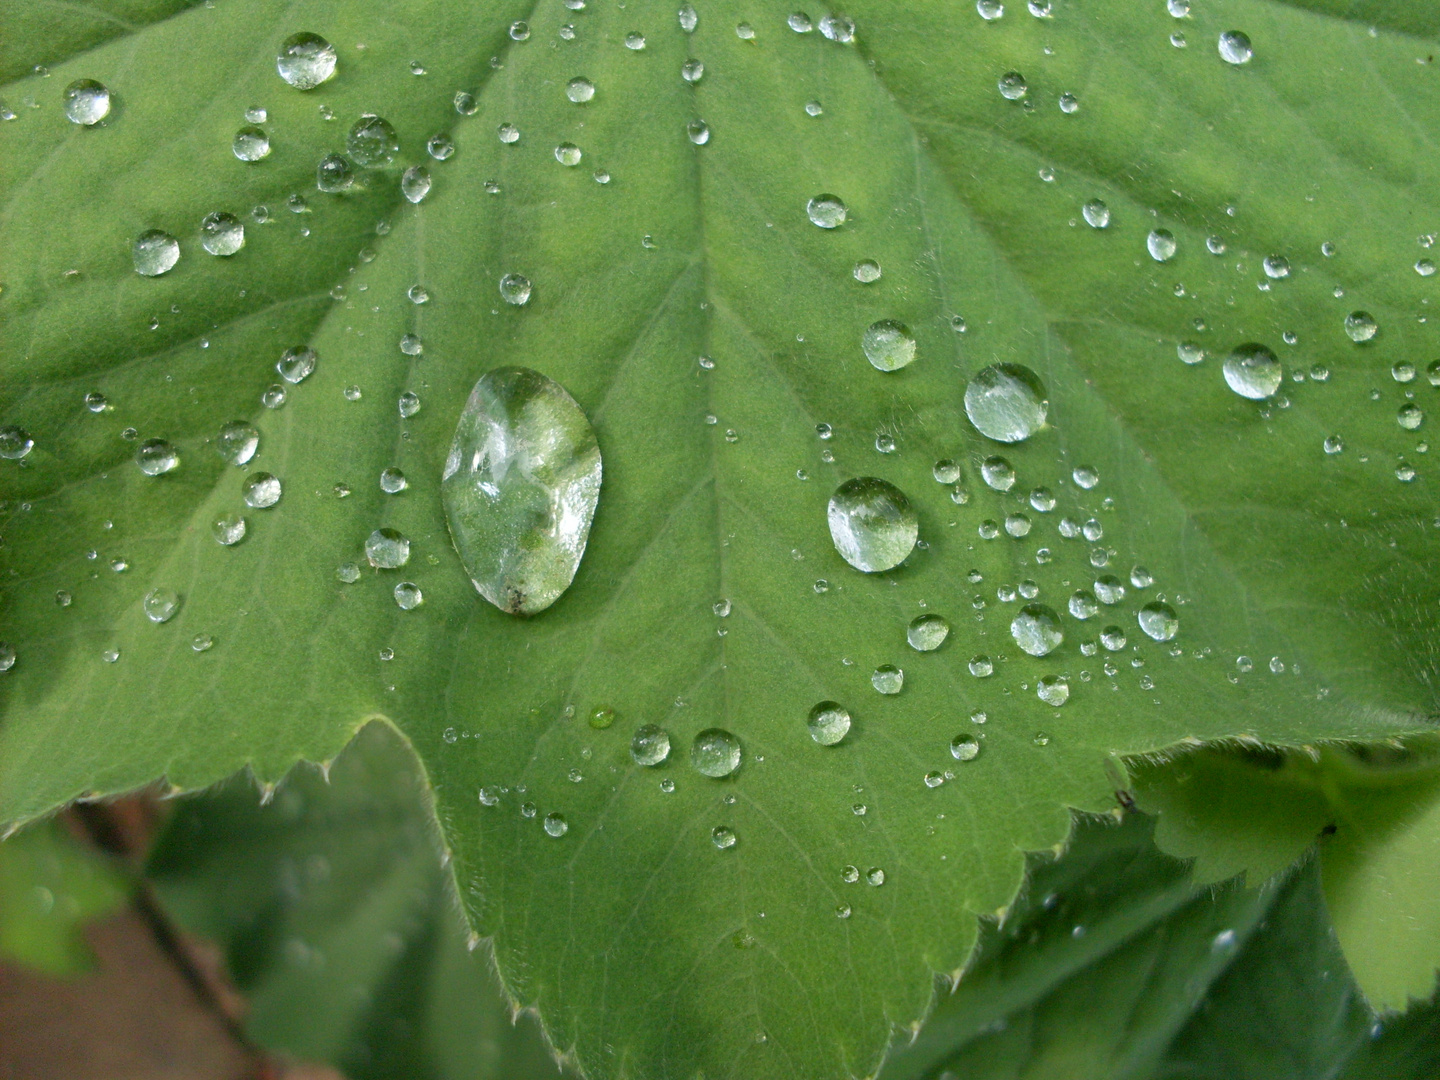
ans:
(1252, 371)
(888, 345)
(872, 524)
(1006, 402)
(1159, 621)
(520, 488)
(827, 211)
(305, 61)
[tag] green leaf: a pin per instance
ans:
(1113, 965)
(50, 887)
(647, 949)
(339, 923)
(1376, 813)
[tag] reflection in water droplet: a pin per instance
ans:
(827, 211)
(87, 102)
(1096, 214)
(872, 524)
(221, 233)
(154, 253)
(964, 747)
(650, 746)
(556, 826)
(515, 289)
(997, 473)
(520, 488)
(415, 183)
(156, 457)
(888, 345)
(1235, 47)
(829, 722)
(1053, 690)
(1253, 371)
(229, 530)
(888, 679)
(926, 633)
(981, 666)
(715, 753)
(161, 605)
(1006, 402)
(305, 61)
(387, 549)
(1360, 326)
(1036, 629)
(1012, 86)
(1161, 245)
(1159, 621)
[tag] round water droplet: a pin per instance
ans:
(888, 345)
(1252, 371)
(1159, 621)
(1036, 629)
(926, 633)
(875, 876)
(201, 642)
(872, 524)
(1084, 604)
(1096, 214)
(692, 71)
(946, 471)
(827, 211)
(1053, 690)
(579, 89)
(1012, 86)
(96, 402)
(440, 147)
(1189, 352)
(409, 404)
(964, 747)
(348, 573)
(981, 666)
(1017, 525)
(519, 30)
(1113, 638)
(229, 530)
(415, 183)
(15, 443)
(1042, 500)
(392, 481)
(813, 108)
(1425, 268)
(698, 131)
(1276, 267)
(1410, 416)
(838, 28)
(334, 174)
(997, 473)
(296, 364)
(154, 253)
(888, 679)
(161, 605)
(387, 549)
(156, 457)
(466, 103)
(408, 595)
(221, 233)
(555, 825)
(650, 746)
(411, 345)
(989, 9)
(568, 154)
(1402, 371)
(688, 19)
(372, 142)
(723, 837)
(1161, 245)
(1141, 578)
(1360, 326)
(866, 271)
(715, 753)
(829, 722)
(251, 144)
(87, 102)
(800, 22)
(1006, 402)
(515, 289)
(274, 396)
(237, 442)
(1109, 589)
(1235, 47)
(635, 41)
(260, 491)
(305, 61)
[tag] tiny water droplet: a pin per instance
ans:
(161, 605)
(997, 473)
(568, 154)
(1096, 214)
(1276, 267)
(926, 633)
(866, 271)
(415, 183)
(875, 876)
(1012, 86)
(692, 71)
(723, 837)
(221, 233)
(650, 746)
(556, 826)
(348, 573)
(698, 131)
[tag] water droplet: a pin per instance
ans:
(1017, 525)
(934, 779)
(1096, 214)
(251, 144)
(1360, 326)
(156, 457)
(568, 154)
(372, 142)
(260, 491)
(1042, 500)
(688, 18)
(411, 345)
(1085, 476)
(888, 679)
(579, 89)
(1159, 621)
(1402, 371)
(1036, 629)
(348, 573)
(515, 289)
(885, 443)
(1410, 416)
(1189, 352)
(926, 633)
(353, 393)
(519, 30)
(1083, 604)
(221, 233)
(15, 443)
(415, 183)
(723, 837)
(274, 396)
(87, 102)
(842, 911)
(334, 174)
(1069, 103)
(888, 345)
(698, 131)
(1405, 472)
(296, 364)
(409, 404)
(510, 134)
(466, 103)
(392, 481)
(1113, 638)
(849, 874)
(161, 605)
(1006, 402)
(96, 402)
(154, 253)
(1252, 371)
(1053, 690)
(875, 876)
(692, 71)
(1425, 268)
(989, 9)
(1161, 245)
(866, 271)
(838, 28)
(305, 61)
(1178, 8)
(872, 524)
(965, 747)
(1235, 47)
(1012, 86)
(110, 656)
(829, 722)
(813, 108)
(387, 549)
(800, 23)
(555, 825)
(827, 211)
(715, 753)
(946, 471)
(981, 666)
(520, 487)
(201, 642)
(635, 41)
(1334, 444)
(229, 529)
(408, 595)
(650, 746)
(997, 473)
(1276, 267)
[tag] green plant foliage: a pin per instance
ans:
(339, 923)
(1376, 813)
(50, 887)
(1113, 965)
(648, 948)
